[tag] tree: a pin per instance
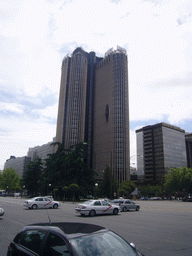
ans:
(128, 186)
(74, 189)
(109, 185)
(150, 191)
(10, 180)
(122, 192)
(33, 178)
(65, 190)
(55, 192)
(68, 166)
(178, 180)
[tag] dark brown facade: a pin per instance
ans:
(111, 120)
(93, 107)
(188, 141)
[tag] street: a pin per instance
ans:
(159, 228)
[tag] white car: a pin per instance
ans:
(93, 207)
(1, 211)
(41, 202)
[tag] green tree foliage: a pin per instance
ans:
(108, 186)
(122, 192)
(74, 188)
(178, 180)
(150, 191)
(65, 190)
(10, 180)
(55, 192)
(33, 178)
(128, 186)
(67, 166)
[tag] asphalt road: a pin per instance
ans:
(160, 228)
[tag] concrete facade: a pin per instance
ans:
(41, 151)
(17, 163)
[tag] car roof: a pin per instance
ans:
(71, 229)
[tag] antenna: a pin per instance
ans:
(48, 217)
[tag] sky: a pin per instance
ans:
(36, 35)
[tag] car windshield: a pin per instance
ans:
(102, 244)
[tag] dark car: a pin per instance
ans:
(187, 199)
(144, 198)
(56, 239)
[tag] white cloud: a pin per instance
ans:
(48, 112)
(36, 35)
(12, 107)
(17, 135)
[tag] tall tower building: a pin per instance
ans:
(93, 107)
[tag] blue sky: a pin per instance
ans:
(36, 35)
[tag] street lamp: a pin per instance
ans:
(96, 185)
(134, 155)
(50, 189)
(22, 192)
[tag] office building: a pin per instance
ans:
(93, 108)
(159, 148)
(41, 151)
(188, 141)
(17, 163)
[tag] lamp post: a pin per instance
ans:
(96, 186)
(22, 192)
(134, 155)
(50, 189)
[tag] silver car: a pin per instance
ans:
(93, 207)
(126, 205)
(41, 202)
(1, 211)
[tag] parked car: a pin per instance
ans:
(50, 197)
(126, 204)
(41, 202)
(144, 198)
(94, 207)
(1, 211)
(155, 198)
(65, 238)
(187, 199)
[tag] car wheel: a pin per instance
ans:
(55, 206)
(34, 206)
(124, 209)
(115, 211)
(92, 213)
(137, 208)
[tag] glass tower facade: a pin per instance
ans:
(93, 107)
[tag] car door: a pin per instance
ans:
(107, 208)
(47, 203)
(55, 245)
(40, 202)
(98, 207)
(29, 243)
(130, 205)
